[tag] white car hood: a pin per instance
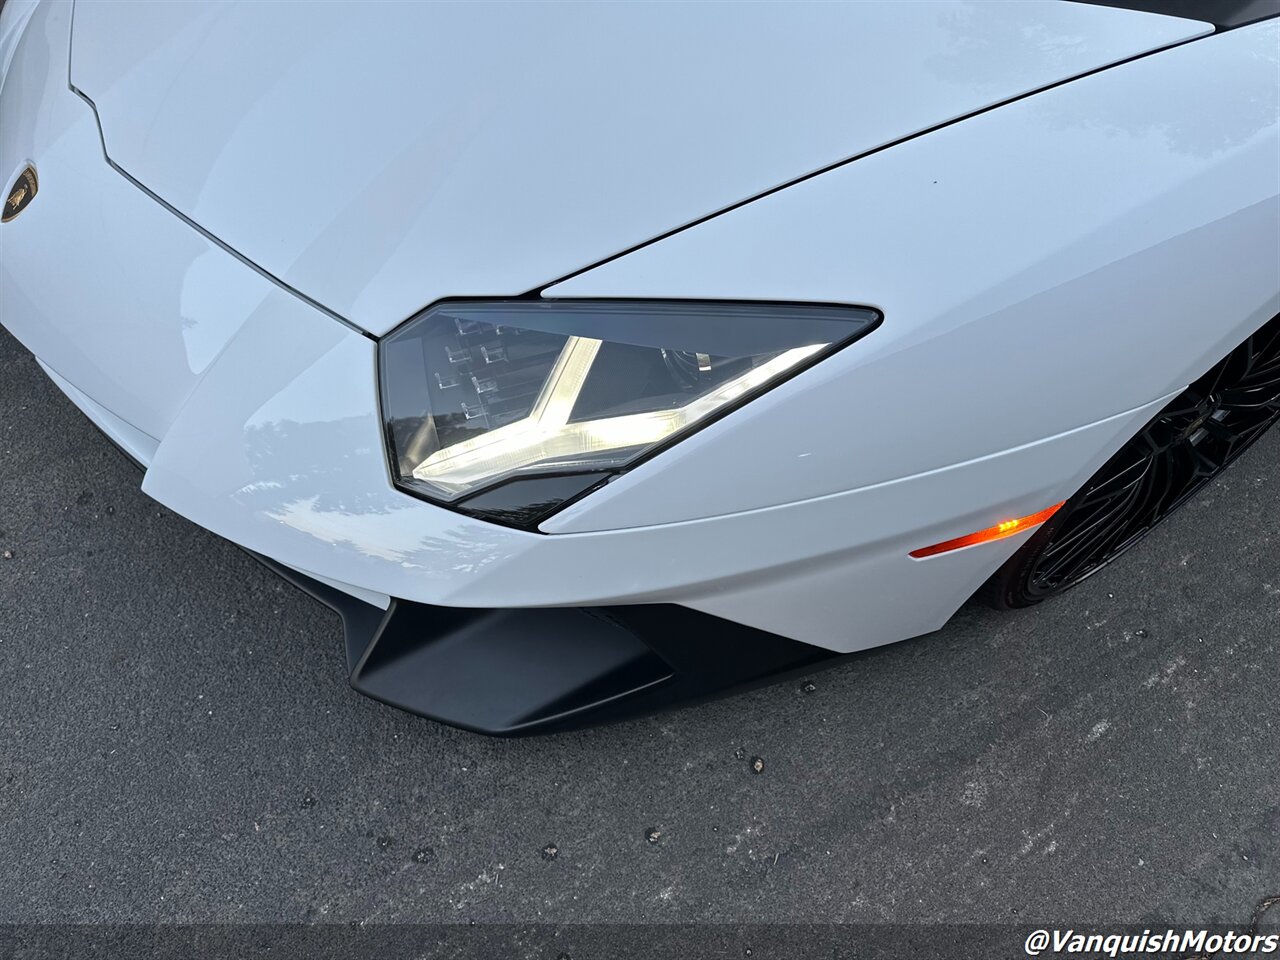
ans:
(378, 157)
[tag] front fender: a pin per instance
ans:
(1041, 266)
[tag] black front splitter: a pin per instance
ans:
(516, 672)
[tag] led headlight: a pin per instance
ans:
(507, 409)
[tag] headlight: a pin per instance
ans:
(508, 409)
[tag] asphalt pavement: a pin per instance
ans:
(178, 743)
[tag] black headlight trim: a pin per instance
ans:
(555, 490)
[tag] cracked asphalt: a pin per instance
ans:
(178, 743)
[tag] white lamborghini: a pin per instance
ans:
(593, 357)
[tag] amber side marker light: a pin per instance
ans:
(1001, 530)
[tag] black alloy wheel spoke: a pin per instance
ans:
(1191, 441)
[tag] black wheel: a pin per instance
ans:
(1190, 442)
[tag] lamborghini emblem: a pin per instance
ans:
(20, 194)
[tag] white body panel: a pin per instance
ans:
(381, 156)
(1130, 214)
(1040, 267)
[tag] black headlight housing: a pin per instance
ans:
(510, 409)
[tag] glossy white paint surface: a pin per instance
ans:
(1040, 266)
(290, 464)
(123, 299)
(263, 422)
(14, 16)
(380, 156)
